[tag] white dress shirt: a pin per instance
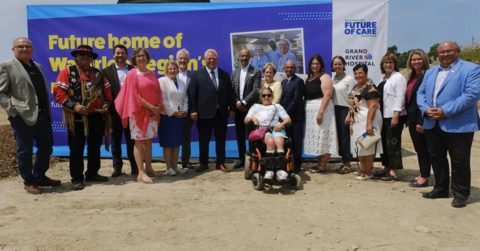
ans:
(182, 75)
(441, 75)
(122, 74)
(243, 76)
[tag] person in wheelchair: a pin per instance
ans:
(269, 115)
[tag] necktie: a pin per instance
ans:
(214, 80)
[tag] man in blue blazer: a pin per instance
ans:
(448, 101)
(292, 100)
(211, 102)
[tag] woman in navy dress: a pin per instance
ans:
(175, 106)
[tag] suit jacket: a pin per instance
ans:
(252, 83)
(457, 97)
(17, 93)
(414, 114)
(204, 97)
(111, 74)
(173, 99)
(292, 98)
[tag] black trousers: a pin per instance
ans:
(343, 133)
(392, 143)
(420, 144)
(297, 142)
(187, 136)
(76, 143)
(219, 127)
(459, 146)
(241, 131)
(117, 133)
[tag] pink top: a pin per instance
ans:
(410, 87)
(129, 100)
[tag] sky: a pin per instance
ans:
(421, 23)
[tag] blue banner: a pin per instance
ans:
(163, 29)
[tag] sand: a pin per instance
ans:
(217, 211)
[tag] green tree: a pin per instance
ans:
(433, 51)
(393, 49)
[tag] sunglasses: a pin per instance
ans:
(266, 95)
(85, 54)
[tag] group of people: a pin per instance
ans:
(277, 55)
(438, 105)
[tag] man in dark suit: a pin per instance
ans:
(448, 100)
(211, 97)
(116, 74)
(24, 95)
(292, 100)
(246, 81)
(183, 58)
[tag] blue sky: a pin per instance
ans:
(422, 23)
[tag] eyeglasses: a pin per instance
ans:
(388, 62)
(446, 52)
(23, 46)
(141, 56)
(266, 95)
(85, 54)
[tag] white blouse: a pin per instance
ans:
(394, 92)
(264, 114)
(342, 89)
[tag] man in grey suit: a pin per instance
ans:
(116, 74)
(24, 95)
(183, 58)
(246, 81)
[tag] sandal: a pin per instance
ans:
(344, 170)
(316, 169)
(389, 177)
(381, 173)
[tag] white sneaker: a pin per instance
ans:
(171, 172)
(282, 175)
(268, 175)
(179, 170)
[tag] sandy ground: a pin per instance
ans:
(216, 211)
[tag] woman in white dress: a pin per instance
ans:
(320, 127)
(364, 115)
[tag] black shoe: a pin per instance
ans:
(134, 172)
(96, 178)
(201, 168)
(47, 182)
(239, 164)
(416, 184)
(434, 195)
(78, 186)
(188, 165)
(116, 173)
(458, 202)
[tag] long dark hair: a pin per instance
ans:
(322, 65)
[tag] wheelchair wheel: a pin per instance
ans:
(257, 185)
(296, 181)
(247, 167)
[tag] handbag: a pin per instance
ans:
(367, 140)
(259, 134)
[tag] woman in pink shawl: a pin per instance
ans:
(139, 102)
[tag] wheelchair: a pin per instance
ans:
(256, 163)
